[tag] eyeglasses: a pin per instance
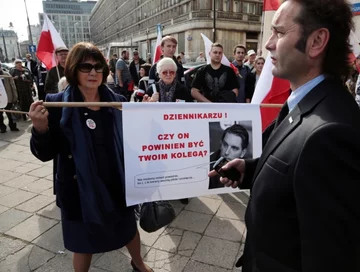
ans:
(87, 67)
(168, 72)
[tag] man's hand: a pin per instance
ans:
(238, 164)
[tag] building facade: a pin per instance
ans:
(133, 23)
(70, 18)
(35, 33)
(9, 45)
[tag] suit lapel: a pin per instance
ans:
(294, 119)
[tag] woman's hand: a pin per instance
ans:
(154, 97)
(39, 117)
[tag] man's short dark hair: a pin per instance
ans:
(240, 131)
(336, 16)
(123, 52)
(239, 46)
(79, 53)
(114, 55)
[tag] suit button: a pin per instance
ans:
(70, 157)
(74, 177)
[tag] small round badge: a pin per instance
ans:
(90, 123)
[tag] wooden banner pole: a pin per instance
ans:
(117, 105)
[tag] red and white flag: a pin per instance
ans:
(269, 89)
(224, 60)
(49, 40)
(158, 52)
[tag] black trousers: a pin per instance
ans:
(12, 124)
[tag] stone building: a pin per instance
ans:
(132, 23)
(70, 18)
(9, 45)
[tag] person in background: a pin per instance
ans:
(183, 58)
(123, 76)
(135, 67)
(251, 59)
(253, 78)
(143, 82)
(41, 78)
(31, 65)
(168, 49)
(53, 76)
(12, 97)
(200, 58)
(215, 82)
(179, 59)
(168, 89)
(90, 177)
(24, 85)
(112, 65)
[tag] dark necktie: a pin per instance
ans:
(282, 114)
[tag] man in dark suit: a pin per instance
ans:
(304, 213)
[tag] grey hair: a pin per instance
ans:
(165, 62)
(62, 84)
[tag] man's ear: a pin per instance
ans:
(317, 42)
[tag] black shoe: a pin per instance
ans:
(14, 129)
(2, 130)
(135, 268)
(184, 201)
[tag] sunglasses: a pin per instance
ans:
(87, 67)
(168, 72)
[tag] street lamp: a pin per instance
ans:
(214, 20)
(30, 35)
(147, 40)
(75, 26)
(3, 37)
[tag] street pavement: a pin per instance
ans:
(206, 236)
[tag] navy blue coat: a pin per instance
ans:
(55, 144)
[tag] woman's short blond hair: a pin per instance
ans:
(165, 62)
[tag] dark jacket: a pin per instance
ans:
(181, 93)
(33, 66)
(79, 193)
(52, 79)
(133, 72)
(304, 213)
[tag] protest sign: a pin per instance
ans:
(3, 96)
(170, 147)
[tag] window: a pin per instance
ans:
(249, 8)
(226, 5)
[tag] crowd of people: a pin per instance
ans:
(303, 214)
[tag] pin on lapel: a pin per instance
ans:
(290, 120)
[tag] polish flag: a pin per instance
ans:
(158, 52)
(224, 60)
(49, 40)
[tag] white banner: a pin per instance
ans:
(3, 95)
(170, 147)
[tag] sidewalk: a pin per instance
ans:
(206, 236)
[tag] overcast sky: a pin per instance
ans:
(14, 11)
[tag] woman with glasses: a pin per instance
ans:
(168, 89)
(87, 144)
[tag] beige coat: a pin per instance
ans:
(10, 87)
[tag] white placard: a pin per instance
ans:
(169, 147)
(3, 95)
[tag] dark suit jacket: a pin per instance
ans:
(304, 212)
(133, 72)
(33, 66)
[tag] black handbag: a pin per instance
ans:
(155, 215)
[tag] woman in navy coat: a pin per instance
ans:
(87, 144)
